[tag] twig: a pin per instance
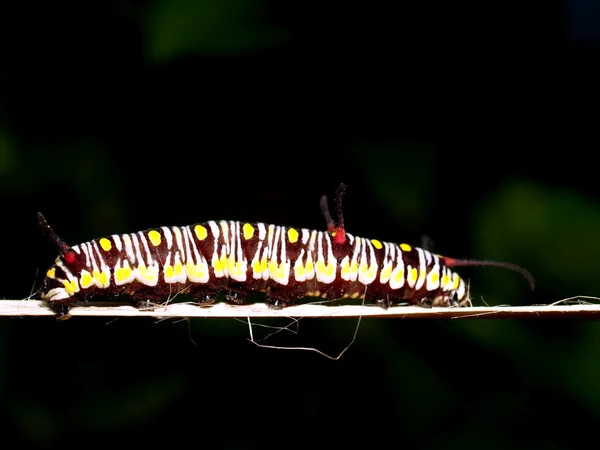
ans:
(19, 308)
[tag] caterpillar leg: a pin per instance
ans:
(147, 299)
(234, 297)
(385, 303)
(274, 301)
(453, 303)
(204, 297)
(425, 302)
(144, 304)
(60, 309)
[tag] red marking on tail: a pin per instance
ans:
(451, 262)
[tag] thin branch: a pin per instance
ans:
(19, 308)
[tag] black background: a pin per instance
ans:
(474, 124)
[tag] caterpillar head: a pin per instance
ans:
(61, 286)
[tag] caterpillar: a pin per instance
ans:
(241, 258)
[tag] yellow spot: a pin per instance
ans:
(196, 272)
(412, 275)
(123, 274)
(325, 270)
(71, 287)
(309, 266)
(377, 244)
(405, 247)
(248, 231)
(168, 271)
(445, 280)
(154, 237)
(399, 276)
(86, 279)
(260, 267)
(292, 235)
(386, 273)
(178, 268)
(201, 232)
(219, 264)
(149, 274)
(101, 277)
(345, 268)
(349, 269)
(456, 280)
(105, 244)
(256, 267)
(236, 269)
(367, 273)
(277, 271)
(299, 271)
(434, 278)
(51, 273)
(263, 264)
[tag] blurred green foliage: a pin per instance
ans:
(176, 28)
(445, 120)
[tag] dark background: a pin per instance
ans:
(474, 123)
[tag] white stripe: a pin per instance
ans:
(397, 284)
(215, 230)
(129, 249)
(117, 241)
(136, 245)
(431, 286)
(149, 260)
(262, 231)
(225, 228)
(239, 242)
(88, 263)
(257, 274)
(90, 250)
(311, 244)
(283, 246)
(190, 244)
(305, 236)
(178, 240)
(270, 239)
(168, 237)
(274, 255)
(422, 269)
(372, 261)
(428, 256)
(103, 268)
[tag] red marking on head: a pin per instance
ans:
(70, 257)
(340, 236)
